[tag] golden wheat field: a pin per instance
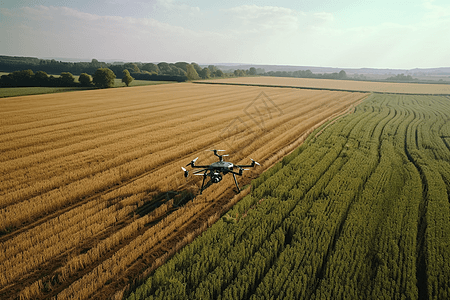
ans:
(92, 196)
(366, 86)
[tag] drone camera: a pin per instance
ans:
(216, 177)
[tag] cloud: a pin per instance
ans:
(68, 32)
(172, 6)
(274, 19)
(435, 12)
(266, 17)
(245, 34)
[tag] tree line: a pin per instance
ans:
(102, 78)
(179, 71)
(307, 74)
(401, 77)
(30, 71)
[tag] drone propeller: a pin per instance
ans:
(186, 172)
(255, 162)
(214, 150)
(193, 161)
(240, 168)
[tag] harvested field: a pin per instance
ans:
(91, 191)
(343, 85)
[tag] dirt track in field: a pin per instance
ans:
(92, 193)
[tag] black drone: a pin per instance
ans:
(214, 170)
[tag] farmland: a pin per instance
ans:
(359, 211)
(344, 85)
(91, 191)
(23, 91)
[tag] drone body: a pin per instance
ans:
(216, 169)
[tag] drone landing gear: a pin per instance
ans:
(235, 181)
(203, 183)
(211, 182)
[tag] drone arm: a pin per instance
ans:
(249, 166)
(236, 173)
(199, 171)
(201, 167)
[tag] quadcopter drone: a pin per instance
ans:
(214, 170)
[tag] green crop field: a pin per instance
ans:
(359, 211)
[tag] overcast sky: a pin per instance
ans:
(329, 33)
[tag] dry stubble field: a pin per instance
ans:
(92, 196)
(365, 86)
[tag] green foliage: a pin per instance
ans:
(342, 74)
(239, 73)
(205, 73)
(131, 67)
(212, 69)
(196, 67)
(182, 65)
(219, 73)
(150, 67)
(85, 79)
(192, 73)
(41, 78)
(104, 78)
(127, 79)
(400, 77)
(67, 79)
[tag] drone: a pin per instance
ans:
(215, 170)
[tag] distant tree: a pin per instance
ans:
(66, 79)
(260, 71)
(309, 74)
(182, 65)
(41, 78)
(192, 73)
(252, 71)
(104, 78)
(132, 67)
(212, 69)
(164, 68)
(239, 73)
(150, 67)
(84, 79)
(342, 74)
(21, 78)
(95, 63)
(400, 77)
(205, 73)
(196, 67)
(175, 71)
(127, 79)
(218, 73)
